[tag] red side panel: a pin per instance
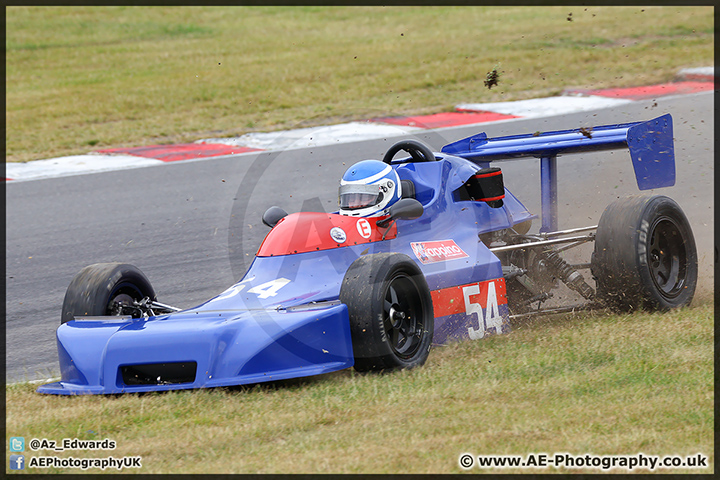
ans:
(312, 231)
(451, 300)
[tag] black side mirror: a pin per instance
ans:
(404, 209)
(273, 215)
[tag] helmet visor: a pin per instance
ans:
(354, 196)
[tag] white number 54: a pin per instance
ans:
(264, 290)
(269, 289)
(492, 318)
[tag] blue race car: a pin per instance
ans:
(423, 250)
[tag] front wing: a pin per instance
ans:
(201, 349)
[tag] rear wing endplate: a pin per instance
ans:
(650, 144)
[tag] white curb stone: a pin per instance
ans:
(314, 136)
(74, 165)
(708, 72)
(543, 107)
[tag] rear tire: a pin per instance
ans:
(645, 255)
(101, 289)
(390, 310)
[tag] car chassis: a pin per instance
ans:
(452, 260)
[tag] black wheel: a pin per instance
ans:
(645, 255)
(417, 150)
(391, 313)
(105, 289)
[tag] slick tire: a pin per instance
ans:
(645, 255)
(390, 310)
(99, 290)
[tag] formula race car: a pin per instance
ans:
(423, 250)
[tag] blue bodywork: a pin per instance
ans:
(284, 318)
(650, 144)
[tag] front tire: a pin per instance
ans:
(645, 255)
(390, 310)
(104, 289)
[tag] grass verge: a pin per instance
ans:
(586, 383)
(84, 78)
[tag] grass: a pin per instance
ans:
(85, 78)
(589, 383)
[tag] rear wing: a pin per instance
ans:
(650, 144)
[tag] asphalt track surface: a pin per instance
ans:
(193, 227)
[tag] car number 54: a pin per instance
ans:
(264, 290)
(491, 319)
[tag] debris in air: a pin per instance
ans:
(492, 78)
(586, 131)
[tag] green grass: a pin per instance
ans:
(85, 78)
(589, 383)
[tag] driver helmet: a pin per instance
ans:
(368, 189)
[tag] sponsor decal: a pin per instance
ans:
(364, 228)
(438, 251)
(338, 234)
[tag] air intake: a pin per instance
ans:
(158, 373)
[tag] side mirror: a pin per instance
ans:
(273, 215)
(404, 209)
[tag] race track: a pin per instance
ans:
(193, 227)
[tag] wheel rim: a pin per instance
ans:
(123, 296)
(667, 257)
(403, 316)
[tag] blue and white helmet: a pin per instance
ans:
(368, 189)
